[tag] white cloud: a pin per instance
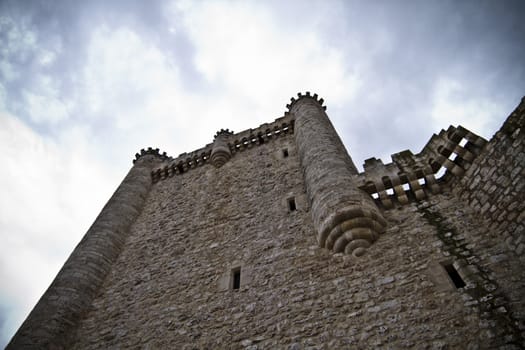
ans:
(19, 48)
(130, 88)
(3, 97)
(47, 57)
(16, 44)
(19, 45)
(46, 106)
(453, 105)
(20, 40)
(243, 51)
(7, 71)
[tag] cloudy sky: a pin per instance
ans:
(86, 84)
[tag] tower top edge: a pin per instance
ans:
(151, 151)
(306, 95)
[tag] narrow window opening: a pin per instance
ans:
(375, 195)
(285, 153)
(421, 181)
(463, 142)
(406, 187)
(454, 275)
(390, 191)
(452, 156)
(236, 278)
(291, 204)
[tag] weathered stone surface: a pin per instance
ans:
(498, 179)
(162, 256)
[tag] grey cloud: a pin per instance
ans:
(68, 25)
(478, 43)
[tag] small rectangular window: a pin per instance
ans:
(285, 153)
(236, 278)
(454, 275)
(291, 204)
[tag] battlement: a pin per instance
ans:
(414, 177)
(236, 143)
(409, 177)
(306, 95)
(150, 151)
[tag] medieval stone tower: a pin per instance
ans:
(271, 239)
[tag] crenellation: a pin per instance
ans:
(300, 96)
(414, 177)
(230, 144)
(264, 133)
(150, 151)
(271, 238)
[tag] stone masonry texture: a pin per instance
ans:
(329, 258)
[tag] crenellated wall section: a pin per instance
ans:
(413, 177)
(225, 146)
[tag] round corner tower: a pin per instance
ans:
(52, 321)
(346, 218)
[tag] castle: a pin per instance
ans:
(271, 238)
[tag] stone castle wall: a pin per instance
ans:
(494, 188)
(170, 286)
(207, 216)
